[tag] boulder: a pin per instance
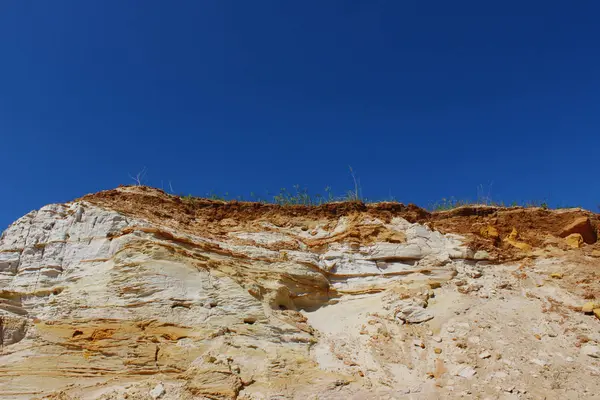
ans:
(584, 227)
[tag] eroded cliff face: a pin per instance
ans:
(133, 293)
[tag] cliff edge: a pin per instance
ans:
(133, 293)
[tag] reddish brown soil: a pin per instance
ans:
(535, 226)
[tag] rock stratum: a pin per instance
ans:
(133, 293)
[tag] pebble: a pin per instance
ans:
(473, 273)
(591, 351)
(539, 362)
(451, 329)
(485, 354)
(413, 314)
(474, 339)
(467, 372)
(158, 391)
(437, 339)
(418, 343)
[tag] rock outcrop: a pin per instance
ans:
(134, 293)
(582, 226)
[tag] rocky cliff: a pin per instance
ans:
(136, 294)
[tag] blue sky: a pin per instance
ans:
(424, 99)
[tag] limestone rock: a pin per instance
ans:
(12, 327)
(158, 391)
(214, 383)
(413, 314)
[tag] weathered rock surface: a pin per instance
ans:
(582, 226)
(136, 294)
(575, 240)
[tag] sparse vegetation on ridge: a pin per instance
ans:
(299, 195)
(452, 203)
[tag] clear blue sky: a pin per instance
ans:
(425, 99)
